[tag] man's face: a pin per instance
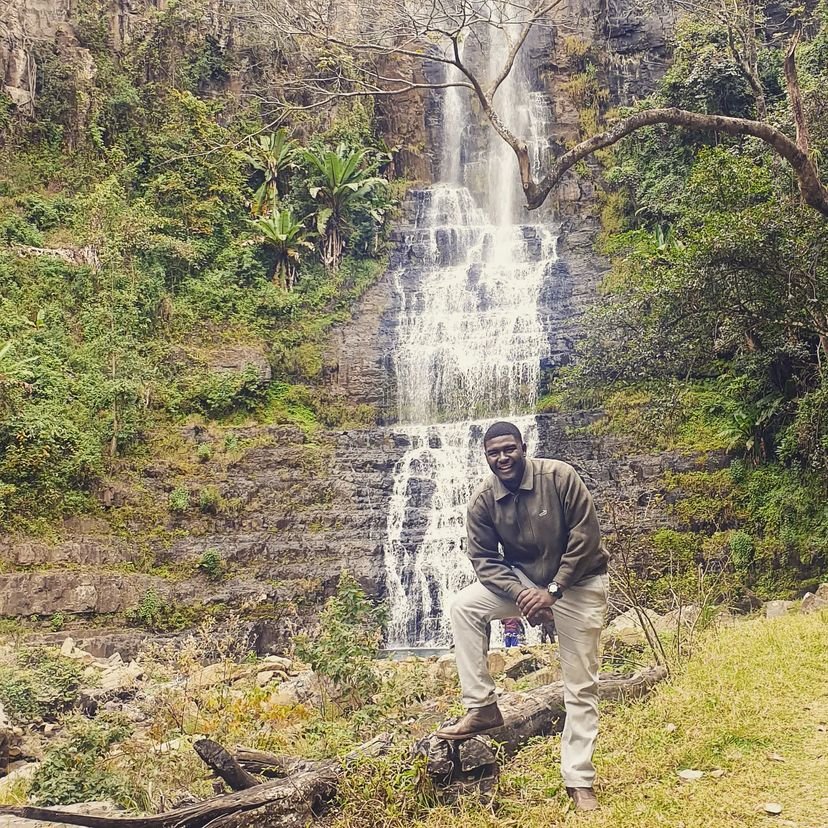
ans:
(506, 457)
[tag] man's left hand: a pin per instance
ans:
(534, 600)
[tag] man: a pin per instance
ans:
(553, 566)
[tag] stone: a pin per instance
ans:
(446, 666)
(776, 609)
(627, 627)
(306, 688)
(265, 677)
(67, 647)
(523, 665)
(497, 662)
(279, 662)
(22, 772)
(545, 675)
(686, 616)
(814, 602)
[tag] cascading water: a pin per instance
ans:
(469, 352)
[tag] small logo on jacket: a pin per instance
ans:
(541, 514)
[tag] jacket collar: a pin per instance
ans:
(527, 482)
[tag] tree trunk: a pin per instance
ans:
(297, 799)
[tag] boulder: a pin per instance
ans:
(265, 677)
(776, 609)
(627, 627)
(306, 688)
(279, 663)
(685, 616)
(446, 666)
(814, 602)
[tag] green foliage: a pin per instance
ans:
(76, 769)
(42, 685)
(287, 238)
(210, 500)
(711, 331)
(212, 564)
(392, 790)
(179, 500)
(153, 612)
(139, 172)
(57, 622)
(348, 193)
(204, 452)
(271, 154)
(346, 645)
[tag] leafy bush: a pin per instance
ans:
(76, 769)
(212, 564)
(42, 686)
(204, 452)
(344, 648)
(16, 230)
(179, 500)
(210, 500)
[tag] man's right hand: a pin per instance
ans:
(535, 614)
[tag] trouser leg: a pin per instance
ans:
(474, 608)
(579, 617)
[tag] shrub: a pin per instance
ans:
(742, 550)
(204, 452)
(179, 500)
(42, 685)
(212, 564)
(76, 770)
(346, 644)
(209, 500)
(16, 230)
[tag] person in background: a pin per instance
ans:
(553, 566)
(512, 632)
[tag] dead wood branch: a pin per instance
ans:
(309, 786)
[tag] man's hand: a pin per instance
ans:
(536, 604)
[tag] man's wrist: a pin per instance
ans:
(555, 590)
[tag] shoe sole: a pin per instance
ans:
(451, 737)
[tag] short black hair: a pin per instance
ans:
(501, 429)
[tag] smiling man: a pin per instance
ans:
(534, 541)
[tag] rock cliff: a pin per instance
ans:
(294, 509)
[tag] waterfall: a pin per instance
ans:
(469, 352)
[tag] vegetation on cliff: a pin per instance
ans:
(152, 219)
(711, 330)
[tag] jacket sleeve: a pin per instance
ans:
(584, 551)
(491, 570)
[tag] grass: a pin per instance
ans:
(760, 688)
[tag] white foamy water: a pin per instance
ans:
(469, 352)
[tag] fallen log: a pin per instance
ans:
(224, 765)
(299, 798)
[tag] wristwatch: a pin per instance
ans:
(555, 590)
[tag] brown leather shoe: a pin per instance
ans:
(477, 721)
(583, 798)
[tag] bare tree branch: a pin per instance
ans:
(812, 189)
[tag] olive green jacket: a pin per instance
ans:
(548, 529)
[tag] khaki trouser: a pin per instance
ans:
(579, 617)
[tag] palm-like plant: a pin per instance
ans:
(272, 155)
(344, 186)
(286, 236)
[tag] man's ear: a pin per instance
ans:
(523, 447)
